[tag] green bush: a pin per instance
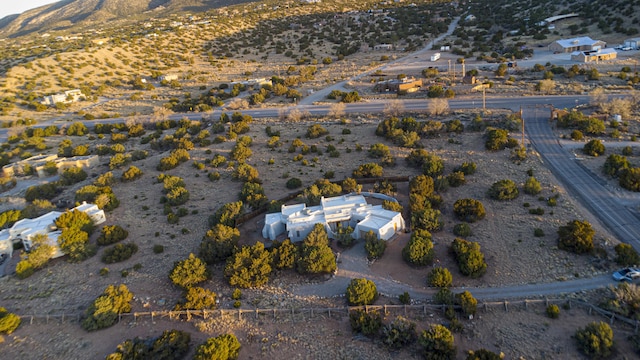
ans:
(532, 186)
(503, 190)
(467, 302)
(577, 135)
(250, 267)
(316, 256)
(177, 196)
(469, 210)
(626, 255)
(456, 179)
(75, 219)
(437, 343)
(537, 232)
(9, 322)
(24, 269)
(103, 312)
(77, 129)
(483, 354)
(218, 243)
(158, 249)
(315, 131)
(368, 170)
(553, 311)
(112, 234)
(132, 173)
(284, 254)
(594, 147)
(404, 298)
(373, 246)
(366, 323)
(399, 333)
(119, 253)
(470, 258)
(294, 183)
(72, 175)
(189, 272)
(439, 277)
(467, 168)
(576, 236)
(223, 347)
(171, 345)
(496, 139)
(75, 243)
(443, 296)
(361, 292)
(226, 214)
(419, 249)
(197, 298)
(45, 192)
(615, 165)
(462, 229)
(595, 340)
(630, 179)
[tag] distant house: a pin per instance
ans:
(297, 221)
(69, 96)
(470, 17)
(408, 84)
(383, 47)
(594, 55)
(633, 43)
(168, 77)
(583, 43)
(24, 230)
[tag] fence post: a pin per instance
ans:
(526, 303)
(256, 313)
(63, 318)
(546, 301)
(292, 318)
(47, 319)
(274, 313)
(613, 317)
(31, 321)
(505, 306)
(239, 314)
(405, 310)
(119, 317)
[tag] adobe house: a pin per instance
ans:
(594, 55)
(297, 221)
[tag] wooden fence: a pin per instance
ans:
(303, 314)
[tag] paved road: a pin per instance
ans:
(614, 213)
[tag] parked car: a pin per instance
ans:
(628, 274)
(626, 48)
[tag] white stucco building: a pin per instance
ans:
(296, 221)
(24, 230)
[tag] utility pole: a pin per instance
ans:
(484, 99)
(522, 119)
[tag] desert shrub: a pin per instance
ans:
(626, 255)
(503, 190)
(315, 254)
(315, 131)
(366, 323)
(496, 139)
(226, 214)
(218, 243)
(112, 234)
(615, 164)
(483, 354)
(103, 312)
(467, 302)
(595, 340)
(132, 173)
(75, 219)
(399, 333)
(594, 147)
(469, 257)
(344, 236)
(75, 243)
(177, 196)
(553, 311)
(432, 165)
(197, 298)
(439, 277)
(576, 236)
(469, 210)
(284, 254)
(427, 219)
(119, 253)
(294, 183)
(223, 347)
(189, 272)
(361, 292)
(462, 229)
(119, 160)
(576, 135)
(252, 194)
(437, 343)
(44, 192)
(245, 172)
(532, 186)
(404, 298)
(175, 158)
(9, 217)
(373, 246)
(77, 129)
(72, 175)
(250, 267)
(24, 269)
(9, 322)
(171, 345)
(537, 232)
(467, 168)
(456, 179)
(419, 249)
(368, 170)
(630, 179)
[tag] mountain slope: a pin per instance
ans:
(69, 13)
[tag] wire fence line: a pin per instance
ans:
(302, 314)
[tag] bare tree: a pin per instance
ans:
(238, 104)
(438, 106)
(282, 114)
(294, 115)
(546, 86)
(394, 108)
(617, 106)
(337, 110)
(597, 97)
(160, 113)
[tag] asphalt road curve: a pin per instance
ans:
(588, 188)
